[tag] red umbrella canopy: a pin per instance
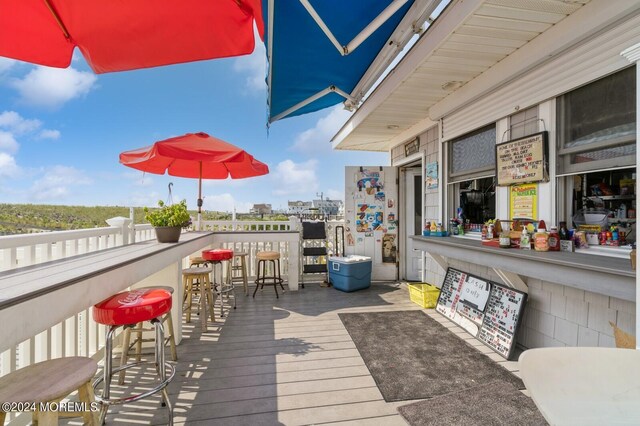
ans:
(119, 35)
(184, 156)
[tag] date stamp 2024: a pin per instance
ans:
(62, 406)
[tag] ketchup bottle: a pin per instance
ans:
(554, 239)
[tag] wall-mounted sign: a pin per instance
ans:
(522, 160)
(431, 173)
(411, 147)
(523, 201)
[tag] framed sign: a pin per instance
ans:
(411, 147)
(523, 201)
(522, 160)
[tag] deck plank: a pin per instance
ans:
(286, 361)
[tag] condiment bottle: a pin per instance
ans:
(541, 238)
(433, 226)
(564, 232)
(505, 240)
(485, 231)
(525, 243)
(554, 239)
(490, 231)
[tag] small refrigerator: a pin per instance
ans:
(350, 273)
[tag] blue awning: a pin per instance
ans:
(318, 50)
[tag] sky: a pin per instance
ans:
(61, 131)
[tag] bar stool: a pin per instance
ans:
(197, 261)
(127, 345)
(196, 280)
(240, 272)
(261, 280)
(126, 309)
(216, 257)
(51, 381)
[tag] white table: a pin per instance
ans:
(584, 386)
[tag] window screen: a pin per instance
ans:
(474, 154)
(596, 124)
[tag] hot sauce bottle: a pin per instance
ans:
(554, 239)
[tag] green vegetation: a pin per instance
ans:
(169, 215)
(28, 218)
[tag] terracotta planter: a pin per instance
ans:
(168, 234)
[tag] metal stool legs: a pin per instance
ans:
(262, 278)
(160, 364)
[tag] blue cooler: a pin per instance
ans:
(350, 273)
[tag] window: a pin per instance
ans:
(472, 176)
(596, 124)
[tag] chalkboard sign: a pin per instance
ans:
(487, 310)
(501, 319)
(522, 160)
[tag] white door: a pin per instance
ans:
(371, 214)
(411, 222)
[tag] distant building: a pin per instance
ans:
(261, 209)
(299, 207)
(328, 207)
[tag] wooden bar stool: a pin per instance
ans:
(51, 381)
(197, 280)
(126, 309)
(216, 257)
(127, 345)
(239, 272)
(264, 257)
(197, 261)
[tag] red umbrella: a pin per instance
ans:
(118, 35)
(195, 155)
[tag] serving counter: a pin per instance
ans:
(599, 274)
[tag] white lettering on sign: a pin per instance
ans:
(475, 292)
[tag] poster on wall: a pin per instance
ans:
(522, 160)
(369, 217)
(431, 174)
(370, 181)
(389, 249)
(523, 201)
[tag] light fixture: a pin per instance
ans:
(393, 127)
(452, 85)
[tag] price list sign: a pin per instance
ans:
(501, 319)
(522, 160)
(489, 311)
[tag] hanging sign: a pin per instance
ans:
(522, 160)
(523, 201)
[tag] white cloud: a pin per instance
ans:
(255, 66)
(295, 178)
(52, 87)
(57, 182)
(143, 199)
(334, 194)
(138, 178)
(49, 134)
(8, 166)
(14, 122)
(6, 63)
(7, 142)
(225, 203)
(317, 140)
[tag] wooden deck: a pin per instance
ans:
(281, 362)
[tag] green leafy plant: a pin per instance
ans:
(169, 215)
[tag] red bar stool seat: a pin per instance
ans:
(216, 257)
(127, 309)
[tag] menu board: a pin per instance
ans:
(522, 160)
(501, 319)
(487, 310)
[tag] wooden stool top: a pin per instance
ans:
(47, 380)
(161, 287)
(197, 260)
(268, 255)
(200, 270)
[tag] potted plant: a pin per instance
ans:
(168, 220)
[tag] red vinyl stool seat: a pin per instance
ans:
(216, 257)
(132, 307)
(128, 309)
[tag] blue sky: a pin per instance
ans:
(61, 132)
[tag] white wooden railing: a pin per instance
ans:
(79, 334)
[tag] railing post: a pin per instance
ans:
(124, 224)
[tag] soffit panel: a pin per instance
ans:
(494, 31)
